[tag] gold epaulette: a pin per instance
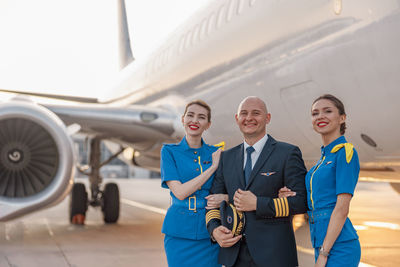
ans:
(212, 214)
(348, 148)
(281, 207)
(221, 145)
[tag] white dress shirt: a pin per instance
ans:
(258, 147)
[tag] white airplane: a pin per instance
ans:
(286, 52)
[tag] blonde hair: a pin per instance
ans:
(200, 103)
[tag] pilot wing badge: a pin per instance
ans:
(267, 173)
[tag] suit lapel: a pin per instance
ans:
(264, 155)
(239, 166)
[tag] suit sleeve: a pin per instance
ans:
(294, 179)
(213, 218)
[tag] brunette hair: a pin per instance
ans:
(200, 103)
(338, 104)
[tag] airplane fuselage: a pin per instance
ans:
(287, 53)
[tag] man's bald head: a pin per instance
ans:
(253, 100)
(252, 118)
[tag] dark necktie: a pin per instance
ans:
(247, 167)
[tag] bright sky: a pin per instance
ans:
(70, 47)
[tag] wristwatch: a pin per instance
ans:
(323, 252)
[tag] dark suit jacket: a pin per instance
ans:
(268, 230)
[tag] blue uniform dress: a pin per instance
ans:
(187, 242)
(335, 173)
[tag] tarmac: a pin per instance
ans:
(47, 239)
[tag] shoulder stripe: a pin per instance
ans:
(287, 206)
(212, 214)
(281, 207)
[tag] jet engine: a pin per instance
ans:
(37, 160)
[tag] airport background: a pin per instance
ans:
(115, 169)
(31, 60)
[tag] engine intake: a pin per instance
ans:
(28, 158)
(36, 159)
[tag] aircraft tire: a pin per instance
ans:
(78, 204)
(111, 203)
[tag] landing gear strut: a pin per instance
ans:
(107, 199)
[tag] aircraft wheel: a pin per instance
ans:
(111, 203)
(78, 204)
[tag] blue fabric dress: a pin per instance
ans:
(335, 173)
(187, 242)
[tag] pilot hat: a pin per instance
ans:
(231, 218)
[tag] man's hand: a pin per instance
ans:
(245, 200)
(286, 192)
(224, 237)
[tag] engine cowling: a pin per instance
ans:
(37, 161)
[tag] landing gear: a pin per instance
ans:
(110, 206)
(78, 204)
(107, 199)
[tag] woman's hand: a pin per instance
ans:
(215, 159)
(213, 201)
(286, 192)
(321, 261)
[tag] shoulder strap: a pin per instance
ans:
(349, 150)
(220, 145)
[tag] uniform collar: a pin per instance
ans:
(327, 149)
(186, 146)
(259, 145)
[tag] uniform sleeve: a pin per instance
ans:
(168, 167)
(213, 218)
(346, 173)
(294, 178)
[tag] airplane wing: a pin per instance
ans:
(135, 125)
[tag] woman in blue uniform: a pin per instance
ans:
(330, 187)
(187, 169)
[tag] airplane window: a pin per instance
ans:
(240, 7)
(211, 23)
(156, 63)
(149, 69)
(252, 2)
(221, 13)
(171, 52)
(195, 36)
(181, 43)
(153, 65)
(159, 62)
(188, 39)
(167, 54)
(165, 57)
(230, 10)
(203, 29)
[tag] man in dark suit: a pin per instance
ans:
(252, 174)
